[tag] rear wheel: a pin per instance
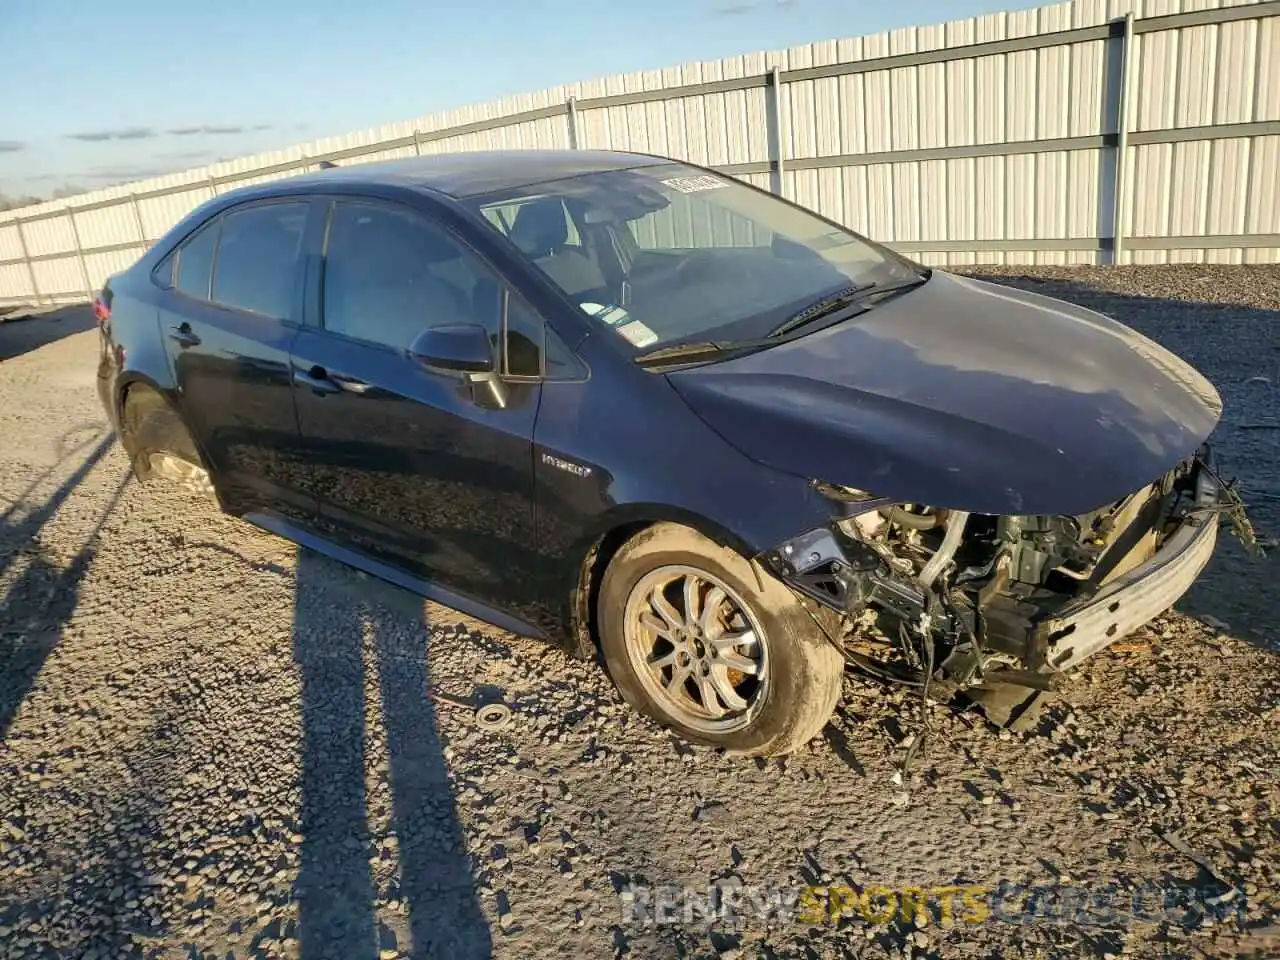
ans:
(160, 444)
(709, 644)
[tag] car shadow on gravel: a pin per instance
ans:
(1237, 347)
(43, 596)
(24, 331)
(336, 631)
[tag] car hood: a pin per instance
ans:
(967, 395)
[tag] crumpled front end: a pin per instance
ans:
(968, 599)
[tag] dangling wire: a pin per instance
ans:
(1232, 505)
(920, 744)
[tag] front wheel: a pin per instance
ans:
(709, 644)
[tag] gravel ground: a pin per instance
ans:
(213, 744)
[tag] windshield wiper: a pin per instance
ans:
(692, 351)
(877, 290)
(679, 353)
(821, 308)
(841, 299)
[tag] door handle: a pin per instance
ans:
(317, 380)
(184, 335)
(349, 384)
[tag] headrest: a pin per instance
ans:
(540, 227)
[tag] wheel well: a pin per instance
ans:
(585, 636)
(137, 398)
(150, 424)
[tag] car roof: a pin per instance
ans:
(468, 174)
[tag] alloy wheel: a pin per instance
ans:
(697, 649)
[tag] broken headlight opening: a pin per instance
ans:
(944, 597)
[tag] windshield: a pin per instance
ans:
(668, 253)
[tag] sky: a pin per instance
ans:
(96, 93)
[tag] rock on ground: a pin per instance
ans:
(213, 744)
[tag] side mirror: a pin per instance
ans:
(457, 348)
(465, 349)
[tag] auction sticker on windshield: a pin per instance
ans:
(611, 315)
(637, 334)
(694, 184)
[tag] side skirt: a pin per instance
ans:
(353, 558)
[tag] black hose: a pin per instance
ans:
(915, 521)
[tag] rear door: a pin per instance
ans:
(413, 466)
(228, 322)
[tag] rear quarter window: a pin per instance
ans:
(163, 273)
(195, 262)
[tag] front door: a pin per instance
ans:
(411, 466)
(228, 322)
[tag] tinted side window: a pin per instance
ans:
(561, 364)
(389, 274)
(195, 262)
(258, 255)
(524, 340)
(163, 273)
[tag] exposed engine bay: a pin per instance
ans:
(958, 600)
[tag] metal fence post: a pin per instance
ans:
(137, 217)
(773, 116)
(1122, 140)
(26, 258)
(417, 143)
(75, 236)
(571, 121)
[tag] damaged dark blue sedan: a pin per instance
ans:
(659, 415)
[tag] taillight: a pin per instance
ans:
(101, 312)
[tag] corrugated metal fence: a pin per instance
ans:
(1121, 131)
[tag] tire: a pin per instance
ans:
(797, 672)
(162, 447)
